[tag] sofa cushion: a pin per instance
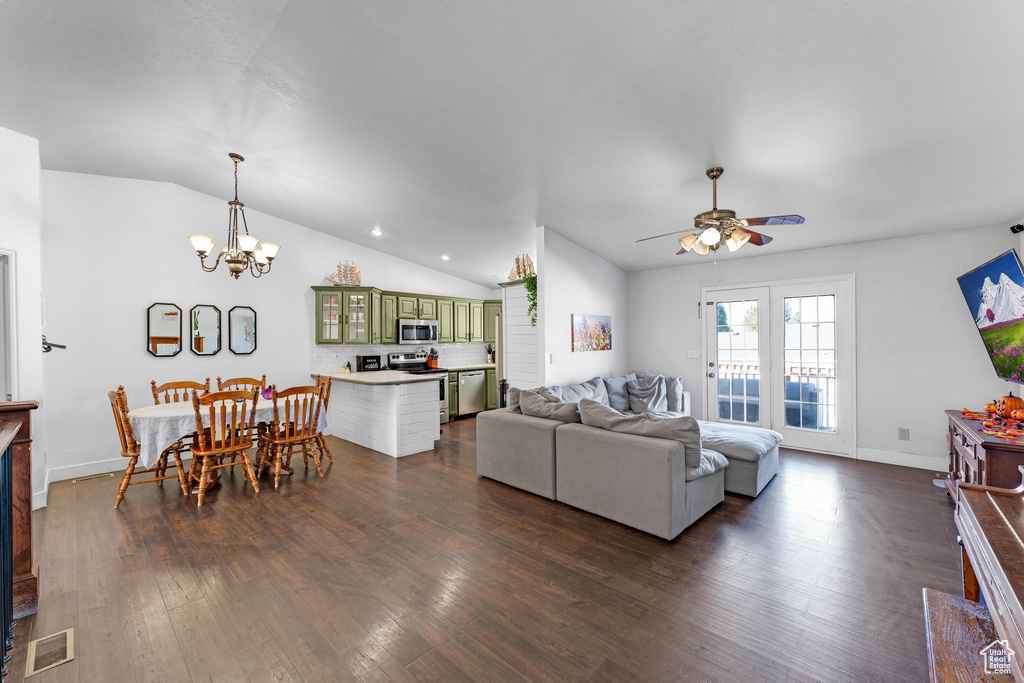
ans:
(739, 442)
(647, 394)
(593, 389)
(535, 403)
(710, 462)
(618, 397)
(681, 428)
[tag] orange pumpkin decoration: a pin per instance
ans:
(992, 407)
(1018, 415)
(1008, 404)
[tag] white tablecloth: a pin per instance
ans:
(158, 426)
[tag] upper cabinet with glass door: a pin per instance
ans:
(327, 306)
(366, 315)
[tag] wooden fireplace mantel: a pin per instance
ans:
(26, 588)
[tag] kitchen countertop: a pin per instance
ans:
(384, 377)
(472, 366)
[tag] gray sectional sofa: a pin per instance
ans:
(617, 470)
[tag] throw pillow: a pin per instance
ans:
(593, 389)
(513, 400)
(647, 394)
(673, 389)
(681, 428)
(615, 387)
(535, 403)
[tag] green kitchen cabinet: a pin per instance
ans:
(327, 308)
(388, 319)
(445, 321)
(408, 308)
(461, 308)
(375, 316)
(491, 387)
(492, 309)
(428, 309)
(453, 395)
(476, 321)
(356, 313)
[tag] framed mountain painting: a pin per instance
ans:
(591, 332)
(994, 292)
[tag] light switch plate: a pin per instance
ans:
(693, 353)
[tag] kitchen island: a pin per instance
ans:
(389, 411)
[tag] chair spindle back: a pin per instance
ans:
(246, 383)
(119, 405)
(170, 390)
(297, 412)
(231, 422)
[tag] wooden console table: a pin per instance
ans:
(977, 458)
(26, 589)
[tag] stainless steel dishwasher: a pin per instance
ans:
(472, 392)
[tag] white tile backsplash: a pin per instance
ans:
(326, 358)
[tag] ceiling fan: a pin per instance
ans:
(711, 229)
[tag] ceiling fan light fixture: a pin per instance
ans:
(711, 236)
(737, 238)
(687, 242)
(701, 248)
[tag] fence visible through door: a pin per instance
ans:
(782, 356)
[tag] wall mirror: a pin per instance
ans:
(163, 330)
(204, 321)
(242, 330)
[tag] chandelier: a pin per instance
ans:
(243, 251)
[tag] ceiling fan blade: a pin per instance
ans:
(759, 239)
(666, 234)
(775, 220)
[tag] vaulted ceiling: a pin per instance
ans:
(457, 127)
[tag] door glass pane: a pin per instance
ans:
(330, 308)
(739, 369)
(809, 371)
(357, 317)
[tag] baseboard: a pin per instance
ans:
(84, 469)
(921, 462)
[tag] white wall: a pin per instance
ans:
(19, 233)
(570, 280)
(521, 349)
(918, 351)
(114, 246)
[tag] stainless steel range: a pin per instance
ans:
(415, 363)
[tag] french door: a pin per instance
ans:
(738, 368)
(782, 356)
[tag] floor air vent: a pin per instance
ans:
(46, 653)
(91, 477)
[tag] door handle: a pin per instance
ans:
(711, 374)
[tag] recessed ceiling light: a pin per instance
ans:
(444, 257)
(376, 232)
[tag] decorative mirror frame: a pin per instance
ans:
(191, 346)
(255, 328)
(149, 343)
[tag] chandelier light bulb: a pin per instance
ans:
(710, 237)
(247, 243)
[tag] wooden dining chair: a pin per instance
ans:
(174, 392)
(245, 383)
(130, 449)
(296, 416)
(231, 431)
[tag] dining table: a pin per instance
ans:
(157, 427)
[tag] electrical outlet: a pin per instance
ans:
(903, 434)
(693, 353)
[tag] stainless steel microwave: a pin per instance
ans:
(417, 331)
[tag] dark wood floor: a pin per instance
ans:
(415, 569)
